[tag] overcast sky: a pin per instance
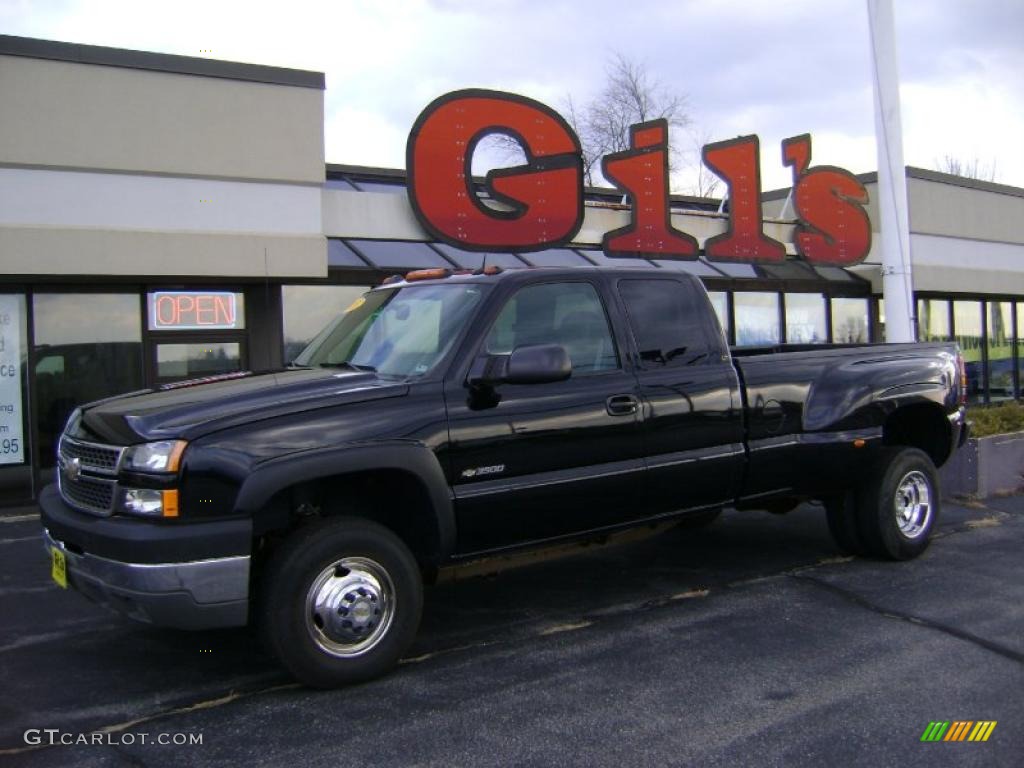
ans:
(775, 68)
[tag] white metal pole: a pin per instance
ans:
(897, 278)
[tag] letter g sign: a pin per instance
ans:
(545, 195)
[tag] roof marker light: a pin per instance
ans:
(427, 274)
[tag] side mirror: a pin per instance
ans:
(538, 364)
(530, 364)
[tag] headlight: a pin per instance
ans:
(164, 456)
(149, 502)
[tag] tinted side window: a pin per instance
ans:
(668, 321)
(570, 314)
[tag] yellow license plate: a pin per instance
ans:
(59, 571)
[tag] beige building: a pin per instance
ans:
(166, 217)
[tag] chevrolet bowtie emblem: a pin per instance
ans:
(73, 469)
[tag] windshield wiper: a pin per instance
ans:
(350, 366)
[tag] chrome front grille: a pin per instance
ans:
(87, 475)
(89, 494)
(94, 457)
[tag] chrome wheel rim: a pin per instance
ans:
(913, 504)
(350, 606)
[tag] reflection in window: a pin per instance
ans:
(805, 318)
(186, 361)
(87, 346)
(757, 318)
(570, 314)
(933, 320)
(1000, 350)
(670, 326)
(720, 301)
(850, 321)
(967, 327)
(403, 332)
(306, 309)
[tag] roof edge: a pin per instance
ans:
(923, 174)
(54, 50)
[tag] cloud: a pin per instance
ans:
(775, 69)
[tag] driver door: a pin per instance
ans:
(538, 461)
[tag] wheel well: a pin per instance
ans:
(922, 426)
(396, 499)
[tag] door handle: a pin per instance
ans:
(621, 405)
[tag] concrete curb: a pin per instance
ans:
(985, 466)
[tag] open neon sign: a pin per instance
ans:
(193, 310)
(543, 199)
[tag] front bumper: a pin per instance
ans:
(194, 595)
(163, 574)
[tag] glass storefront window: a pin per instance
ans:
(307, 309)
(805, 318)
(187, 361)
(933, 320)
(87, 346)
(967, 327)
(1019, 343)
(720, 302)
(757, 318)
(850, 321)
(999, 341)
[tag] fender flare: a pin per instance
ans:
(416, 459)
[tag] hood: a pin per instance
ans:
(190, 409)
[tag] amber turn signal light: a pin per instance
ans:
(170, 503)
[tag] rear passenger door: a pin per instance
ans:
(690, 394)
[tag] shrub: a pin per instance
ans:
(995, 419)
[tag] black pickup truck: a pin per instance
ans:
(448, 417)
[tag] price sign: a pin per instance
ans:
(12, 439)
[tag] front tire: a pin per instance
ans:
(340, 601)
(898, 504)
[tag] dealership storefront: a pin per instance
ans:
(149, 233)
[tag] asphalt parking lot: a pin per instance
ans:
(752, 642)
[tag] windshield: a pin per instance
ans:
(398, 332)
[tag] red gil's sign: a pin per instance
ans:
(544, 197)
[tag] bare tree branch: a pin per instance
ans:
(573, 117)
(629, 96)
(971, 169)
